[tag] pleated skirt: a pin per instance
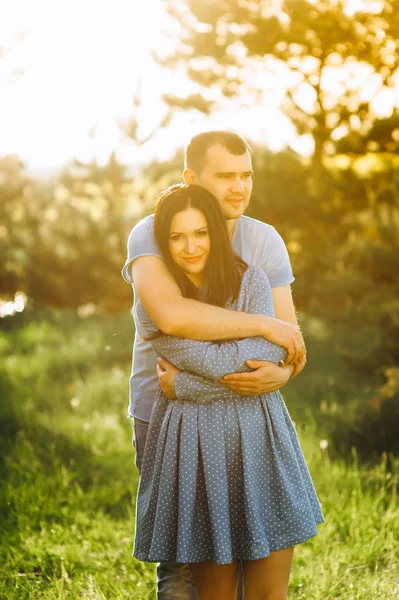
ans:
(222, 481)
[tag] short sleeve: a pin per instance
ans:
(276, 261)
(141, 242)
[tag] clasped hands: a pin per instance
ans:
(265, 378)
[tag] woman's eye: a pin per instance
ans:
(175, 238)
(202, 233)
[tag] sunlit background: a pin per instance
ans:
(97, 100)
(71, 72)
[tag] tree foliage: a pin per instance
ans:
(64, 241)
(330, 66)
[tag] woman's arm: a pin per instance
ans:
(198, 389)
(213, 360)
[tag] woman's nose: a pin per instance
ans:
(191, 246)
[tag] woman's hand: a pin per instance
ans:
(267, 378)
(166, 377)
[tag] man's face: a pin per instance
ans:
(228, 178)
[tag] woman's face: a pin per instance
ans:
(190, 243)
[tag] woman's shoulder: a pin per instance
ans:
(254, 275)
(254, 283)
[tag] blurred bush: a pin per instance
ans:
(64, 245)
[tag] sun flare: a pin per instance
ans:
(78, 68)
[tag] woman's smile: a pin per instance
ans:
(193, 258)
(190, 243)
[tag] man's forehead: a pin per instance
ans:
(219, 158)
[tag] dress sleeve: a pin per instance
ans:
(213, 360)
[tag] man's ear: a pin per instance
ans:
(189, 176)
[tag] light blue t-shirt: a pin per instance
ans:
(257, 243)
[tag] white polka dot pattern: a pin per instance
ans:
(223, 475)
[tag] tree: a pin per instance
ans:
(334, 66)
(64, 241)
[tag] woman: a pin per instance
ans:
(223, 475)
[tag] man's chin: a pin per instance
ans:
(232, 213)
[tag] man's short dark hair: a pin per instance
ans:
(198, 145)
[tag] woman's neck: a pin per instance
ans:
(198, 279)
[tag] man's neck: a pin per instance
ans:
(231, 225)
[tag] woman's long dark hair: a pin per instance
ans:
(223, 269)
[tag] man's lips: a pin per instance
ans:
(235, 200)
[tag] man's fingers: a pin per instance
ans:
(299, 366)
(243, 391)
(296, 352)
(300, 355)
(241, 384)
(290, 355)
(240, 377)
(297, 355)
(257, 364)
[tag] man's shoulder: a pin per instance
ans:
(252, 226)
(146, 223)
(141, 231)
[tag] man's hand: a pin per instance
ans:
(166, 377)
(289, 337)
(299, 365)
(267, 378)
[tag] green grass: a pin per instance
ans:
(67, 502)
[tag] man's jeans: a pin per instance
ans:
(174, 580)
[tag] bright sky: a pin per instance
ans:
(78, 70)
(82, 62)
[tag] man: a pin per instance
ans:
(220, 161)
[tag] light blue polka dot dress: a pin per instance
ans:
(223, 475)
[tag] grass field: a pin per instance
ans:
(69, 480)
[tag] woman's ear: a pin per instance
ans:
(189, 176)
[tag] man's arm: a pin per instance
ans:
(268, 377)
(284, 309)
(183, 317)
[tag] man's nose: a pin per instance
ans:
(238, 185)
(191, 245)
